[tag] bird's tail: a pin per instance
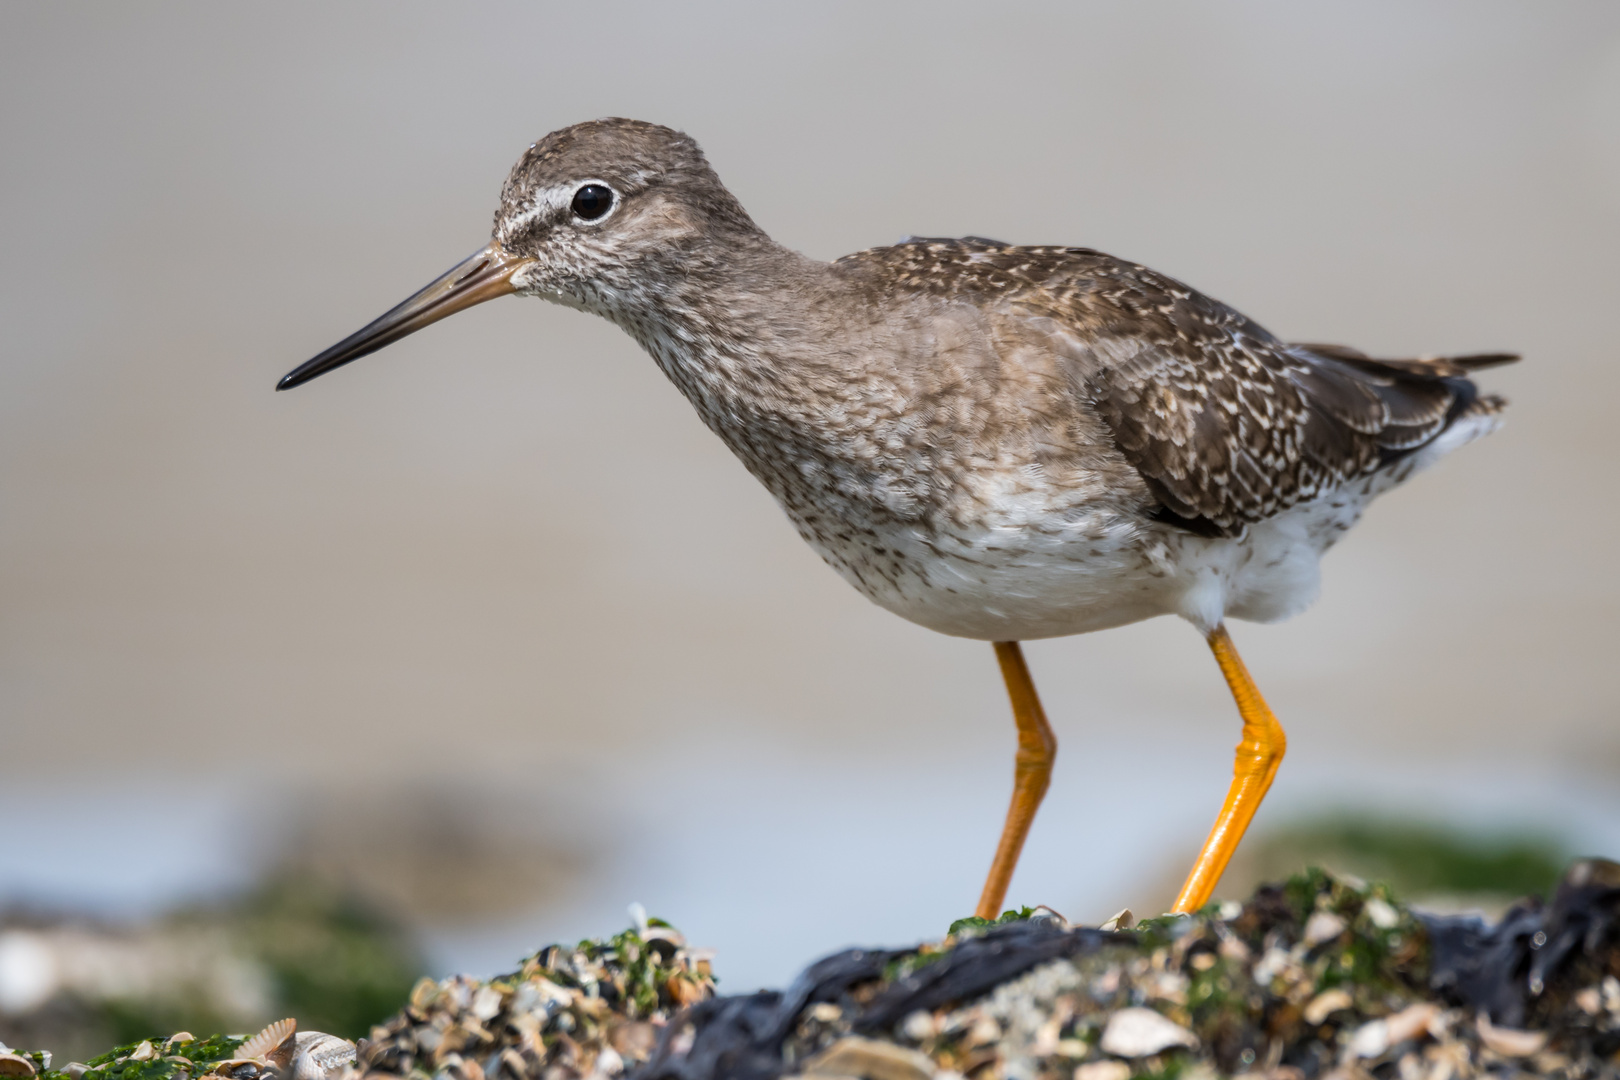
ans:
(1427, 382)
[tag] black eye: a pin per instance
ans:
(592, 201)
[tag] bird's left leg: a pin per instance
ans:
(1032, 771)
(1258, 755)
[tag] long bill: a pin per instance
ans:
(484, 276)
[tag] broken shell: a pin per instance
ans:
(281, 1057)
(1137, 1032)
(1232, 948)
(1323, 926)
(685, 991)
(1369, 1040)
(1326, 1004)
(1103, 1070)
(1047, 914)
(634, 1039)
(664, 933)
(1381, 914)
(318, 1054)
(608, 1063)
(486, 1003)
(1509, 1042)
(144, 1052)
(871, 1060)
(918, 1026)
(1424, 1018)
(16, 1065)
(1374, 1037)
(267, 1040)
(984, 1031)
(1272, 964)
(423, 993)
(1121, 920)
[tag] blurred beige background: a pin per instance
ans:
(498, 586)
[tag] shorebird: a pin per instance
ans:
(993, 441)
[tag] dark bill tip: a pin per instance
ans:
(484, 276)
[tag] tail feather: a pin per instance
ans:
(1430, 366)
(1430, 404)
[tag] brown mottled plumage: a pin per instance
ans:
(1226, 424)
(994, 441)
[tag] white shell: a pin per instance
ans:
(268, 1039)
(317, 1055)
(1137, 1032)
(16, 1065)
(1510, 1042)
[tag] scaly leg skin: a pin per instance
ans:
(1032, 772)
(1258, 755)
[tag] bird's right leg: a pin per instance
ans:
(1032, 771)
(1258, 755)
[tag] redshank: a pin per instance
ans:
(993, 441)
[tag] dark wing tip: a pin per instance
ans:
(1485, 360)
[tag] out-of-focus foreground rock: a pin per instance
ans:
(1319, 977)
(297, 944)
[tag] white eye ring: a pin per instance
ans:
(587, 203)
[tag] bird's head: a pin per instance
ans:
(594, 216)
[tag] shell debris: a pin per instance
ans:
(595, 1009)
(1315, 978)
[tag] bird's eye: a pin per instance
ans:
(592, 201)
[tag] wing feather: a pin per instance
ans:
(1226, 424)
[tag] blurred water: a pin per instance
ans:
(122, 848)
(786, 867)
(773, 867)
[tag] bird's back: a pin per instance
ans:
(1226, 425)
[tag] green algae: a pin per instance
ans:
(626, 968)
(979, 922)
(171, 1059)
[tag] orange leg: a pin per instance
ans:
(1032, 771)
(1258, 755)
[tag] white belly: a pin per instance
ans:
(1004, 585)
(1074, 573)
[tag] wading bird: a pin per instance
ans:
(996, 442)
